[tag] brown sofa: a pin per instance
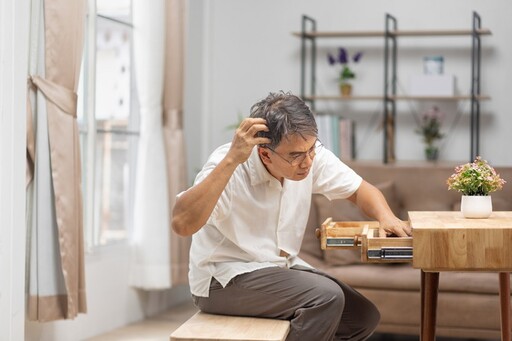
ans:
(468, 303)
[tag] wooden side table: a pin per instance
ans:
(446, 241)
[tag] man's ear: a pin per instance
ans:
(263, 153)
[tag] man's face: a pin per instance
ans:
(291, 159)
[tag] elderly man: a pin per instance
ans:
(247, 212)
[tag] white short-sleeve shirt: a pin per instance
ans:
(256, 217)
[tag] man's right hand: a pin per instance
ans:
(246, 137)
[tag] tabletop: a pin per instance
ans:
(446, 241)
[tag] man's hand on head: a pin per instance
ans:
(394, 227)
(246, 137)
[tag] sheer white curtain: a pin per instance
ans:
(151, 267)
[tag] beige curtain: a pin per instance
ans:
(56, 285)
(173, 128)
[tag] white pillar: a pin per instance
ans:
(14, 33)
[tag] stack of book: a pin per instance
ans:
(338, 135)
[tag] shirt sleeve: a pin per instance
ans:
(333, 178)
(223, 205)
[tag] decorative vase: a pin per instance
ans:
(345, 89)
(431, 153)
(476, 206)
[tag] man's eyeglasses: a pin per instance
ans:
(295, 159)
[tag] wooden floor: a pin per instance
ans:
(160, 327)
(157, 328)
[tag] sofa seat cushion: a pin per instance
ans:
(310, 243)
(462, 315)
(404, 277)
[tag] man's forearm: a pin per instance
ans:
(369, 199)
(372, 202)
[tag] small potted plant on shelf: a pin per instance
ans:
(346, 73)
(475, 181)
(430, 129)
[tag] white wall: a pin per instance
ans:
(249, 51)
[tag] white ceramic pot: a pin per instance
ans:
(476, 206)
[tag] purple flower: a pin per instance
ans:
(344, 59)
(331, 59)
(342, 56)
(357, 56)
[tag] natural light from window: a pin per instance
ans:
(114, 117)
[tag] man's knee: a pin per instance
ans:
(372, 320)
(333, 296)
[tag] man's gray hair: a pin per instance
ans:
(286, 115)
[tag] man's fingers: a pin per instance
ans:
(249, 134)
(395, 231)
(400, 232)
(252, 126)
(254, 129)
(262, 140)
(247, 123)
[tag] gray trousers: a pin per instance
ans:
(318, 307)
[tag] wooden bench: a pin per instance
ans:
(204, 326)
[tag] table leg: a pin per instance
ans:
(429, 289)
(422, 303)
(505, 305)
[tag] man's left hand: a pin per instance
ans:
(394, 227)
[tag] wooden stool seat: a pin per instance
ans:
(204, 326)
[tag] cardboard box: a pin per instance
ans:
(432, 85)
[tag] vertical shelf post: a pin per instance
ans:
(389, 122)
(304, 36)
(476, 57)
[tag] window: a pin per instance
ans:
(108, 121)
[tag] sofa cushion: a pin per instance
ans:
(310, 243)
(402, 276)
(342, 257)
(420, 186)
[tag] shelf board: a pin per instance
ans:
(343, 98)
(438, 33)
(396, 98)
(398, 33)
(439, 98)
(347, 34)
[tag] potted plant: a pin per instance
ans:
(475, 181)
(346, 72)
(430, 129)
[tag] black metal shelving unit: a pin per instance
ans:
(390, 84)
(391, 33)
(476, 59)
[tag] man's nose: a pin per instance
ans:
(308, 160)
